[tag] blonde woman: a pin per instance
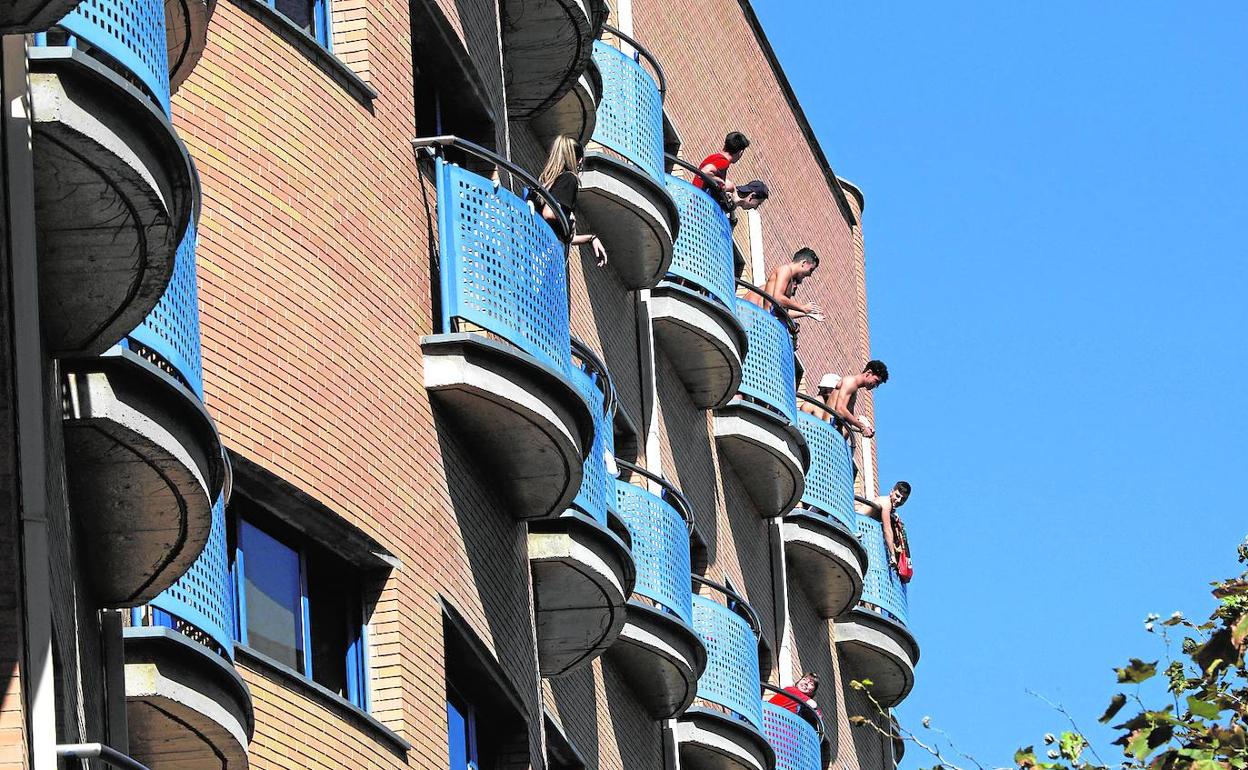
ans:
(560, 177)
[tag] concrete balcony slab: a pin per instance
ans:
(661, 658)
(575, 114)
(703, 340)
(186, 34)
(826, 560)
(713, 740)
(768, 455)
(633, 214)
(546, 48)
(879, 649)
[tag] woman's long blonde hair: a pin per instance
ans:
(563, 157)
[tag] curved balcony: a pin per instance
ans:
(756, 432)
(823, 551)
(692, 308)
(623, 187)
(114, 187)
(499, 373)
(723, 730)
(186, 706)
(873, 638)
(143, 459)
(546, 47)
(576, 114)
(658, 651)
(582, 571)
(796, 737)
(186, 34)
(22, 16)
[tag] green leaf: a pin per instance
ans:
(1239, 633)
(1137, 743)
(1206, 764)
(1071, 745)
(858, 720)
(1115, 705)
(1136, 671)
(1202, 708)
(1025, 757)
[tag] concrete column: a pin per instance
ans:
(758, 262)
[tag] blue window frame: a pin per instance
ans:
(312, 16)
(300, 606)
(461, 732)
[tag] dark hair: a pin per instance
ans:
(812, 676)
(903, 487)
(878, 369)
(735, 143)
(806, 254)
(757, 188)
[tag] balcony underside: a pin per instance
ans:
(711, 740)
(768, 456)
(704, 342)
(633, 214)
(186, 33)
(144, 466)
(826, 559)
(582, 577)
(546, 47)
(186, 706)
(113, 196)
(20, 16)
(526, 424)
(660, 657)
(881, 650)
(574, 115)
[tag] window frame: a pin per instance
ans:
(466, 709)
(320, 21)
(355, 657)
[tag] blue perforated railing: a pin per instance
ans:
(660, 549)
(732, 671)
(767, 373)
(169, 336)
(502, 266)
(630, 113)
(126, 35)
(830, 478)
(792, 738)
(882, 590)
(597, 493)
(702, 254)
(199, 603)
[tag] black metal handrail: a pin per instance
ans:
(816, 401)
(660, 76)
(809, 714)
(869, 503)
(106, 754)
(749, 614)
(678, 500)
(776, 307)
(594, 363)
(434, 143)
(692, 169)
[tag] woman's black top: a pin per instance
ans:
(564, 190)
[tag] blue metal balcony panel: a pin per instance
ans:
(131, 33)
(660, 549)
(171, 330)
(732, 671)
(830, 478)
(702, 253)
(792, 738)
(597, 494)
(201, 597)
(880, 586)
(630, 113)
(767, 372)
(503, 267)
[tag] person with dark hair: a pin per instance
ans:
(782, 283)
(841, 395)
(894, 532)
(750, 195)
(715, 166)
(800, 693)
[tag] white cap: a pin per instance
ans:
(829, 381)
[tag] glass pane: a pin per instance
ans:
(459, 734)
(331, 607)
(272, 594)
(298, 11)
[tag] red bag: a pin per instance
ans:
(904, 570)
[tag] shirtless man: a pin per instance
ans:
(782, 283)
(841, 395)
(888, 504)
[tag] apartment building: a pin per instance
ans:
(322, 447)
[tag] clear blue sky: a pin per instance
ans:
(1055, 231)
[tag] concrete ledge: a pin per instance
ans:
(881, 650)
(21, 16)
(712, 740)
(636, 218)
(529, 427)
(576, 114)
(661, 658)
(769, 456)
(703, 340)
(144, 466)
(582, 577)
(185, 705)
(186, 34)
(114, 192)
(546, 47)
(826, 560)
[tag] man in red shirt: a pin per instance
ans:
(716, 166)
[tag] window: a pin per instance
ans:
(312, 16)
(298, 605)
(461, 732)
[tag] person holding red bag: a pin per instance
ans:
(895, 539)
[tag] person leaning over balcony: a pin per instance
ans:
(783, 281)
(841, 395)
(801, 693)
(561, 176)
(716, 166)
(894, 532)
(750, 195)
